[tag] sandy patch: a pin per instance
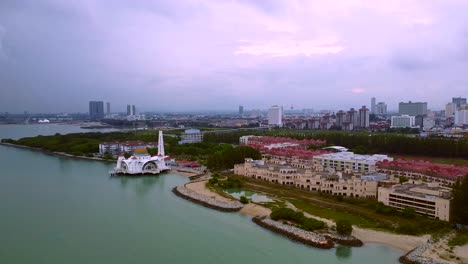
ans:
(200, 187)
(184, 173)
(255, 210)
(462, 252)
(403, 242)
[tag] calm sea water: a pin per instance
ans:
(20, 131)
(57, 210)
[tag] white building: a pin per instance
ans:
(428, 123)
(461, 116)
(142, 163)
(275, 116)
(348, 162)
(403, 121)
(191, 136)
(425, 198)
(373, 106)
(136, 117)
(124, 147)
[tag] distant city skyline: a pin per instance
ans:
(216, 55)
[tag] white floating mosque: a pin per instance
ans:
(142, 163)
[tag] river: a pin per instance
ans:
(58, 210)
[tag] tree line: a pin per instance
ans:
(365, 142)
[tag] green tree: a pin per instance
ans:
(459, 203)
(244, 199)
(344, 227)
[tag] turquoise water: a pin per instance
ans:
(58, 210)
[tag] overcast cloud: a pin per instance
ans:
(212, 54)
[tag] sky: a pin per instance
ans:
(56, 55)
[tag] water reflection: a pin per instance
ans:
(140, 185)
(254, 197)
(343, 252)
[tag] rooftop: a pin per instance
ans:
(423, 190)
(350, 156)
(426, 167)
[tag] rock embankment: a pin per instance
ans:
(204, 200)
(415, 256)
(350, 241)
(294, 233)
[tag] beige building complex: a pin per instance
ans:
(425, 198)
(321, 181)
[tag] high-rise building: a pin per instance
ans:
(96, 110)
(131, 110)
(241, 110)
(412, 108)
(373, 106)
(340, 118)
(275, 116)
(403, 121)
(107, 108)
(461, 116)
(458, 101)
(363, 117)
(381, 108)
(353, 117)
(450, 109)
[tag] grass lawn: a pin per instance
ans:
(460, 239)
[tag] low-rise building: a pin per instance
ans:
(425, 198)
(403, 121)
(191, 136)
(331, 183)
(124, 147)
(349, 162)
(445, 174)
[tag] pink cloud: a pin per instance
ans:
(358, 90)
(289, 48)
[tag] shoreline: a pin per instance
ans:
(213, 203)
(405, 243)
(54, 153)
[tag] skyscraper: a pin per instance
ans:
(381, 108)
(96, 110)
(450, 109)
(131, 110)
(107, 108)
(275, 116)
(458, 101)
(412, 109)
(373, 105)
(363, 117)
(340, 118)
(241, 110)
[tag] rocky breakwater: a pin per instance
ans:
(204, 200)
(415, 256)
(294, 233)
(345, 240)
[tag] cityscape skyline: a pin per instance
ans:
(199, 55)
